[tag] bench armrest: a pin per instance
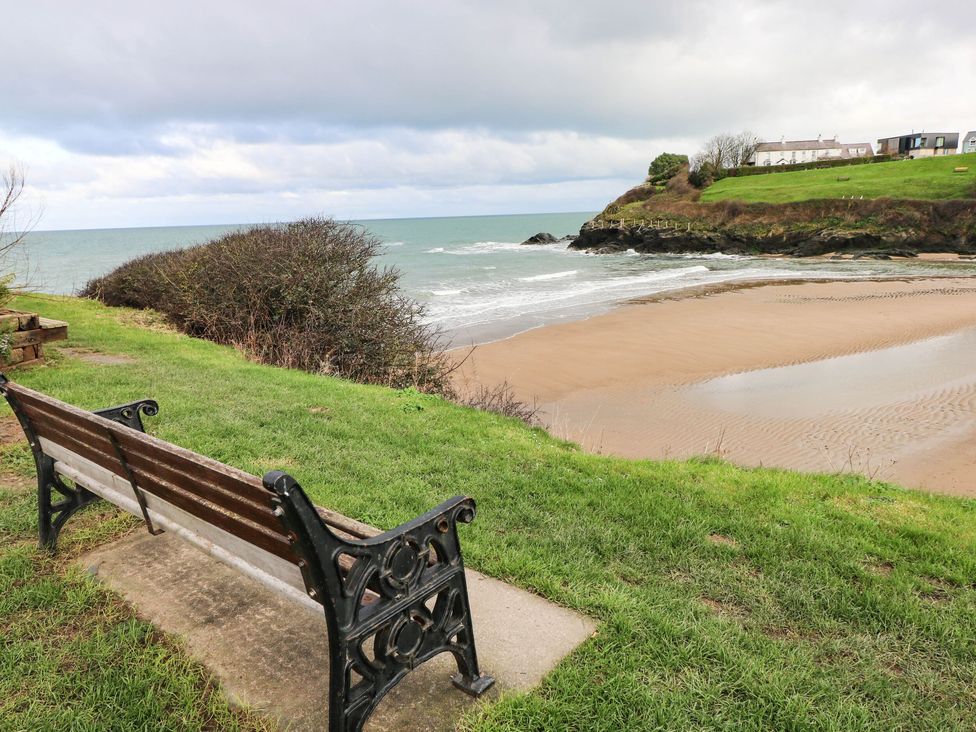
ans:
(130, 414)
(444, 517)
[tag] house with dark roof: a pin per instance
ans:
(793, 152)
(969, 142)
(920, 144)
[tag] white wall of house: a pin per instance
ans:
(829, 151)
(790, 157)
(969, 143)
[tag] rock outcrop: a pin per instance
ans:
(872, 229)
(541, 238)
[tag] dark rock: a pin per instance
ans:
(541, 238)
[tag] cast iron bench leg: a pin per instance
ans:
(402, 600)
(52, 514)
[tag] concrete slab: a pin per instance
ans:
(272, 655)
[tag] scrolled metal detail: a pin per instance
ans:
(418, 608)
(130, 414)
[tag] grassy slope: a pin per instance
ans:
(836, 603)
(929, 178)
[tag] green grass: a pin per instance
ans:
(728, 599)
(73, 656)
(929, 178)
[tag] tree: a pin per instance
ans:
(665, 166)
(11, 188)
(719, 154)
(741, 148)
(12, 232)
(726, 151)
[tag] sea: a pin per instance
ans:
(475, 278)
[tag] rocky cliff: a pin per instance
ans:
(881, 227)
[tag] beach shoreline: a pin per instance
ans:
(629, 381)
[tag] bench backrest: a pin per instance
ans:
(225, 511)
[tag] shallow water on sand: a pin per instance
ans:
(844, 383)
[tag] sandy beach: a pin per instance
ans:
(874, 377)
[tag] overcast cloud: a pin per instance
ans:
(132, 113)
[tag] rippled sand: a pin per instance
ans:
(877, 378)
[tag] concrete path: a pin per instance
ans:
(272, 655)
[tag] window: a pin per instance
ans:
(917, 143)
(940, 142)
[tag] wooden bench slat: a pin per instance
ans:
(143, 450)
(236, 481)
(222, 485)
(278, 574)
(90, 474)
(96, 447)
(153, 482)
(255, 534)
(232, 479)
(99, 453)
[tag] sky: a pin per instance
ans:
(135, 113)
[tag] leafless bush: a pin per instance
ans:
(726, 151)
(501, 399)
(303, 295)
(12, 230)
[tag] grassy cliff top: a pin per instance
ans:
(928, 178)
(728, 598)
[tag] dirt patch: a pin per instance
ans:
(895, 670)
(16, 483)
(786, 633)
(96, 357)
(10, 431)
(319, 410)
(723, 540)
(725, 609)
(882, 568)
(938, 590)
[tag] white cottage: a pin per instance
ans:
(969, 142)
(794, 152)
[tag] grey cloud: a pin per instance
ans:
(299, 71)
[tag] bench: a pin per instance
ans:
(391, 600)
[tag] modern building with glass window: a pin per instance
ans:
(920, 144)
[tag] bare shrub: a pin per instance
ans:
(303, 295)
(12, 230)
(679, 186)
(501, 399)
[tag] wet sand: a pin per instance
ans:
(875, 377)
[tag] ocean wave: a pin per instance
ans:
(395, 243)
(704, 255)
(487, 247)
(477, 308)
(435, 250)
(550, 276)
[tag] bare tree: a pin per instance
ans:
(12, 230)
(11, 188)
(726, 151)
(741, 148)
